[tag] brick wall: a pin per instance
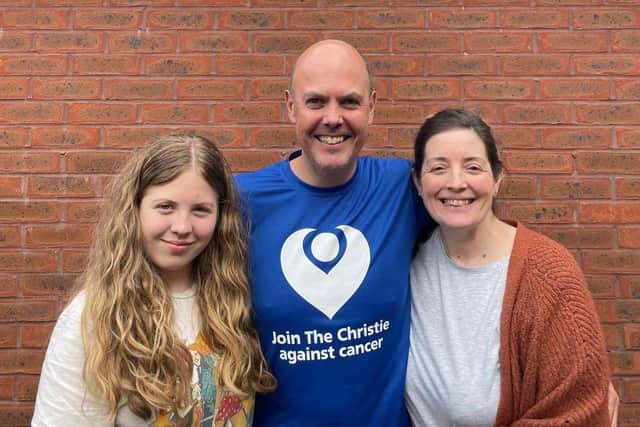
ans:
(85, 81)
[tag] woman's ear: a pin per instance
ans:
(416, 180)
(496, 185)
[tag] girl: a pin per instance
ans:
(160, 332)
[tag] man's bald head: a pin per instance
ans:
(328, 48)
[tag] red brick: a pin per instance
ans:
(535, 65)
(273, 137)
(627, 89)
(319, 19)
(16, 162)
(513, 187)
(9, 236)
(367, 3)
(183, 19)
(425, 42)
(26, 387)
(64, 137)
(104, 64)
(251, 20)
(574, 237)
(537, 162)
(20, 311)
(515, 137)
(33, 65)
(106, 19)
(568, 2)
(498, 89)
(69, 41)
(268, 88)
(365, 42)
(612, 261)
(61, 186)
(608, 113)
(87, 212)
(175, 113)
(534, 18)
(283, 42)
(8, 336)
(156, 42)
(177, 65)
(6, 388)
(627, 188)
(568, 138)
(629, 237)
(249, 160)
(538, 213)
(629, 286)
(32, 261)
(222, 137)
(54, 284)
(426, 3)
(13, 88)
(275, 3)
(13, 137)
(74, 3)
(488, 111)
(416, 89)
(74, 261)
(624, 363)
(102, 113)
(497, 42)
(391, 18)
(402, 137)
(57, 236)
(30, 112)
(575, 89)
(600, 19)
(395, 65)
(16, 414)
(611, 213)
(36, 19)
(122, 137)
(626, 41)
(20, 362)
(484, 3)
(27, 211)
(462, 19)
(249, 65)
(602, 286)
(139, 89)
(156, 3)
(36, 335)
(8, 285)
(211, 89)
(10, 186)
(454, 65)
(399, 113)
(574, 41)
(15, 42)
(66, 89)
(628, 138)
(631, 386)
(214, 42)
(95, 162)
(608, 65)
(536, 113)
(577, 188)
(247, 113)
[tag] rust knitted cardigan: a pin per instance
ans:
(553, 362)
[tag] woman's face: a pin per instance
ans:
(457, 184)
(177, 221)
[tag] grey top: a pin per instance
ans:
(453, 373)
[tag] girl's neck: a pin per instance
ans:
(177, 282)
(489, 242)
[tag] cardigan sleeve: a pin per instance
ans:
(562, 354)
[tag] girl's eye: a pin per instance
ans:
(164, 207)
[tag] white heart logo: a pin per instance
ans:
(329, 291)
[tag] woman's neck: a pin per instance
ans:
(489, 242)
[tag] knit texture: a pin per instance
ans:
(553, 361)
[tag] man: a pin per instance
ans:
(331, 241)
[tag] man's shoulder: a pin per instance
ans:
(388, 163)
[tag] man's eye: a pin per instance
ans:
(351, 103)
(314, 102)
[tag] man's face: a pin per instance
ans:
(331, 108)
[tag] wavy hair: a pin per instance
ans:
(132, 353)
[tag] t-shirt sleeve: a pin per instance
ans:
(62, 399)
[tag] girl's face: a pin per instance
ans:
(177, 220)
(457, 185)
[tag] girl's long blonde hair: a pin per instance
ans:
(132, 353)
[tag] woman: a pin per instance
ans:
(503, 329)
(160, 332)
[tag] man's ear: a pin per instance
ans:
(373, 98)
(288, 99)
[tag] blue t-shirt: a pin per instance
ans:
(330, 280)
